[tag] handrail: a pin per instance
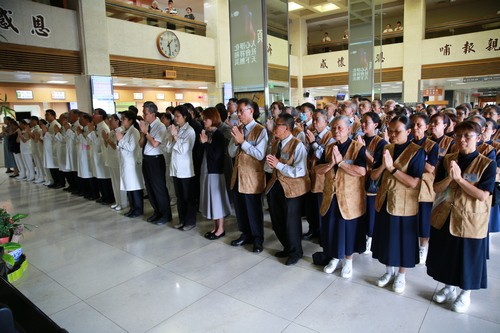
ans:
(463, 23)
(134, 13)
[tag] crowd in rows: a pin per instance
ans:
(411, 185)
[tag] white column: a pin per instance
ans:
(298, 39)
(413, 35)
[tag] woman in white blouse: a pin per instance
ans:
(130, 163)
(181, 143)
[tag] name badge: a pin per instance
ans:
(442, 151)
(285, 156)
(471, 177)
(349, 161)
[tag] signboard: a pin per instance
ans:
(102, 93)
(24, 94)
(58, 95)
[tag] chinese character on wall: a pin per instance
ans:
(6, 21)
(445, 49)
(493, 45)
(468, 47)
(323, 64)
(340, 62)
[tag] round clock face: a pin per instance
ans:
(168, 44)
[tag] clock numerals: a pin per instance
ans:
(168, 44)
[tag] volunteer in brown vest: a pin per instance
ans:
(492, 112)
(317, 140)
(420, 124)
(459, 221)
(286, 188)
(343, 205)
(348, 109)
(248, 148)
(374, 144)
(395, 236)
(490, 130)
(437, 127)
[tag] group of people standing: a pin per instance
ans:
(366, 177)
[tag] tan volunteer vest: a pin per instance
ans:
(349, 190)
(427, 193)
(317, 181)
(444, 145)
(469, 217)
(293, 187)
(248, 170)
(369, 166)
(401, 200)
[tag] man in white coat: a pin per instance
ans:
(71, 150)
(49, 149)
(84, 158)
(37, 149)
(102, 172)
(60, 140)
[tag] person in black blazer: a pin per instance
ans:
(214, 201)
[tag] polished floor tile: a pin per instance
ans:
(93, 270)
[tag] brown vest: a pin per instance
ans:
(427, 193)
(401, 200)
(349, 190)
(485, 149)
(296, 131)
(468, 216)
(444, 145)
(317, 181)
(293, 187)
(248, 170)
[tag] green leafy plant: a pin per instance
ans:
(9, 224)
(5, 110)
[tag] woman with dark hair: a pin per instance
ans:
(8, 157)
(374, 146)
(437, 126)
(130, 151)
(214, 201)
(395, 235)
(181, 143)
(420, 124)
(343, 205)
(15, 148)
(459, 220)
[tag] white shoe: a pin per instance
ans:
(114, 206)
(444, 295)
(39, 181)
(332, 266)
(422, 254)
(368, 245)
(47, 183)
(346, 272)
(118, 208)
(461, 304)
(30, 180)
(399, 284)
(20, 178)
(384, 279)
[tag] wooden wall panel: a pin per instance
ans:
(294, 82)
(461, 68)
(37, 59)
(338, 79)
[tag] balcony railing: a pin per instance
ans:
(123, 11)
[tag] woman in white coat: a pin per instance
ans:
(130, 163)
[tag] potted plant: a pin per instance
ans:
(5, 110)
(11, 225)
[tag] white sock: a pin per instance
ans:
(347, 262)
(401, 276)
(465, 293)
(389, 270)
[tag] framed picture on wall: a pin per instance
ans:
(116, 95)
(58, 95)
(138, 96)
(160, 96)
(24, 94)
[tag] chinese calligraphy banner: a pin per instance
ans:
(248, 44)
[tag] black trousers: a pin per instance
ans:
(312, 206)
(249, 214)
(286, 220)
(106, 189)
(153, 170)
(136, 201)
(186, 200)
(58, 176)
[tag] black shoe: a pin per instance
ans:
(162, 221)
(92, 198)
(240, 241)
(134, 214)
(9, 171)
(68, 189)
(99, 200)
(208, 233)
(130, 212)
(257, 248)
(310, 235)
(107, 203)
(58, 186)
(292, 260)
(281, 254)
(51, 186)
(153, 218)
(214, 236)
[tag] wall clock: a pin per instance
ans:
(168, 44)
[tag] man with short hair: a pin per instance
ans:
(153, 164)
(232, 118)
(248, 148)
(71, 150)
(364, 107)
(286, 188)
(50, 152)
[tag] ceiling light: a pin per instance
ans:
(202, 87)
(165, 86)
(57, 82)
(294, 6)
(119, 84)
(326, 7)
(453, 80)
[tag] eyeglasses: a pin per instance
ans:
(280, 125)
(467, 136)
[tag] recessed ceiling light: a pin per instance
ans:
(165, 86)
(119, 84)
(57, 82)
(202, 87)
(453, 80)
(326, 7)
(294, 6)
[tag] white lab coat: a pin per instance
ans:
(84, 168)
(130, 161)
(72, 147)
(101, 171)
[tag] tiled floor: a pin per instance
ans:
(93, 270)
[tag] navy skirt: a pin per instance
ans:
(395, 239)
(424, 219)
(494, 225)
(370, 214)
(340, 237)
(457, 261)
